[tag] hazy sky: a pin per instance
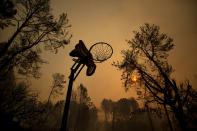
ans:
(113, 21)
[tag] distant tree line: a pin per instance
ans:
(126, 114)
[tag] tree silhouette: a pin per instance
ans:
(83, 97)
(82, 113)
(190, 107)
(35, 29)
(18, 102)
(107, 106)
(7, 13)
(147, 59)
(52, 116)
(57, 86)
(118, 112)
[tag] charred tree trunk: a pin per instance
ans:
(180, 117)
(149, 117)
(113, 119)
(169, 121)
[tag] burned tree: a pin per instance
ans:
(147, 59)
(35, 28)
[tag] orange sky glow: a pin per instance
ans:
(113, 21)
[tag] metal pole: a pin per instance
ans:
(67, 104)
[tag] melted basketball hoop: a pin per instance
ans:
(91, 67)
(97, 53)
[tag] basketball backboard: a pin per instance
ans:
(80, 50)
(84, 57)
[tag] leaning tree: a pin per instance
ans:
(34, 28)
(147, 60)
